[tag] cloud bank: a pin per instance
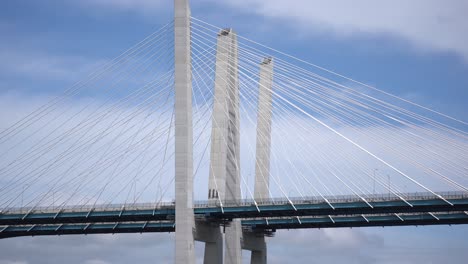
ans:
(429, 25)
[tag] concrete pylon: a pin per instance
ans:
(263, 144)
(224, 182)
(184, 218)
(263, 147)
(220, 154)
(221, 123)
(233, 236)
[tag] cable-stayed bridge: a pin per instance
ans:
(195, 111)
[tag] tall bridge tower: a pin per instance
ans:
(224, 174)
(184, 219)
(224, 179)
(263, 149)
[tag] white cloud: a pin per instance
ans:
(47, 66)
(428, 24)
(12, 262)
(96, 261)
(90, 249)
(363, 245)
(144, 6)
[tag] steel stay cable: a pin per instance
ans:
(161, 168)
(296, 71)
(397, 152)
(351, 110)
(47, 106)
(75, 150)
(279, 185)
(341, 95)
(348, 88)
(131, 142)
(136, 93)
(29, 185)
(95, 124)
(241, 175)
(357, 145)
(283, 191)
(203, 61)
(129, 148)
(278, 73)
(342, 76)
(171, 156)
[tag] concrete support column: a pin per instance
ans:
(255, 242)
(184, 218)
(233, 250)
(259, 256)
(211, 234)
(214, 250)
(262, 164)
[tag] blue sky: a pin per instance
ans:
(78, 35)
(415, 50)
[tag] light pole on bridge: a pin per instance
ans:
(389, 187)
(373, 189)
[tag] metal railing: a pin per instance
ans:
(244, 202)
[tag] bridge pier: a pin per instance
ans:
(259, 256)
(257, 245)
(211, 235)
(214, 250)
(184, 217)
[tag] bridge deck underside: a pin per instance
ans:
(253, 225)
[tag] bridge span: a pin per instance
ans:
(260, 217)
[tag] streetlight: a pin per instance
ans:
(22, 193)
(389, 187)
(53, 198)
(374, 182)
(135, 181)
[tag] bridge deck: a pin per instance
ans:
(244, 209)
(267, 216)
(253, 225)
